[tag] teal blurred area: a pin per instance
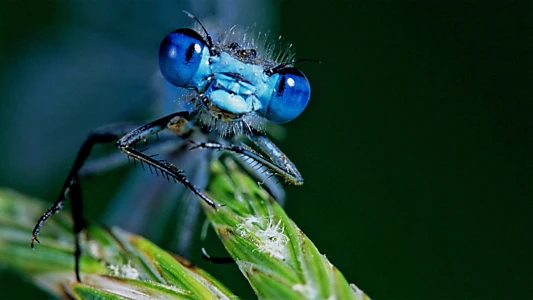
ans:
(415, 148)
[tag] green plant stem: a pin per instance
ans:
(277, 258)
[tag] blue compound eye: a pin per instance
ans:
(180, 55)
(290, 97)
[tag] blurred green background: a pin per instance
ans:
(416, 146)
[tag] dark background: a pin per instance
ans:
(415, 148)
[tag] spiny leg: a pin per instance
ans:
(279, 158)
(101, 135)
(94, 138)
(71, 187)
(116, 159)
(174, 122)
(277, 161)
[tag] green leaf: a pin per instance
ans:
(115, 264)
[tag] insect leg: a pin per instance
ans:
(99, 136)
(276, 160)
(279, 158)
(71, 187)
(79, 222)
(216, 259)
(116, 159)
(174, 122)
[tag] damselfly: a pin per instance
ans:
(235, 91)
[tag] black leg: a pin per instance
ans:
(217, 260)
(111, 161)
(267, 147)
(79, 222)
(71, 187)
(93, 139)
(174, 122)
(284, 167)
